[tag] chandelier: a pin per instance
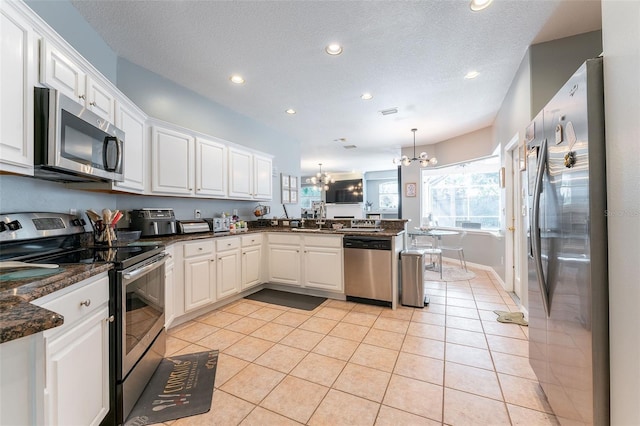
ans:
(321, 180)
(423, 157)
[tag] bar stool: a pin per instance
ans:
(434, 252)
(458, 248)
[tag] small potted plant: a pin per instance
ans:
(368, 205)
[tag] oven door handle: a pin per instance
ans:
(161, 259)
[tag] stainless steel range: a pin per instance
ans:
(137, 337)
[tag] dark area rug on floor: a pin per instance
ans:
(181, 386)
(290, 300)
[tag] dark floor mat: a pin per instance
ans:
(290, 300)
(181, 386)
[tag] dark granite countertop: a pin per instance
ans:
(19, 318)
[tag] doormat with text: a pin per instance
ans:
(181, 386)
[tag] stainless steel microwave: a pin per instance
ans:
(73, 144)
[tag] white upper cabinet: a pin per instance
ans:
(240, 173)
(263, 183)
(249, 175)
(18, 71)
(211, 168)
(60, 72)
(171, 162)
(132, 122)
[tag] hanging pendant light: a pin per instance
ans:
(423, 157)
(321, 180)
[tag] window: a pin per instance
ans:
(309, 194)
(463, 196)
(388, 195)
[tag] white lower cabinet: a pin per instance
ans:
(251, 260)
(228, 274)
(284, 259)
(311, 261)
(77, 354)
(199, 274)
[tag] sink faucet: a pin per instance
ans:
(321, 215)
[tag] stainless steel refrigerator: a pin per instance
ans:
(568, 288)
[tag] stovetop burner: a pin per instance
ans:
(121, 257)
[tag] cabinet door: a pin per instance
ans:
(284, 264)
(323, 268)
(263, 182)
(240, 173)
(61, 73)
(17, 77)
(77, 373)
(211, 168)
(251, 266)
(228, 273)
(133, 125)
(171, 162)
(199, 282)
(100, 100)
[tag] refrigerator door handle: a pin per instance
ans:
(535, 225)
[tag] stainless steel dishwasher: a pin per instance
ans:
(367, 269)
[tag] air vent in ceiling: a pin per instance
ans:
(389, 111)
(349, 146)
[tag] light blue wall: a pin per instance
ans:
(67, 21)
(181, 106)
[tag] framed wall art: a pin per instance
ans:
(289, 189)
(410, 189)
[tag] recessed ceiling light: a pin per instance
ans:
(366, 96)
(236, 79)
(471, 74)
(477, 5)
(389, 111)
(333, 49)
(290, 111)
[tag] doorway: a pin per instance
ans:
(515, 219)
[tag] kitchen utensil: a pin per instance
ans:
(261, 210)
(93, 215)
(12, 264)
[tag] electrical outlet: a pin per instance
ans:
(197, 214)
(73, 212)
(274, 222)
(285, 223)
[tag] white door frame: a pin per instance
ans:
(512, 207)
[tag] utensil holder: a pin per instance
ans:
(103, 232)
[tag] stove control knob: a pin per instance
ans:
(14, 225)
(3, 226)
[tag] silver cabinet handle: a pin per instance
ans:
(110, 319)
(85, 303)
(92, 103)
(81, 97)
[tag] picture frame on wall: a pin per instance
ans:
(410, 189)
(293, 196)
(285, 196)
(285, 181)
(293, 182)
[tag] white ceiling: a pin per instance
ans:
(412, 55)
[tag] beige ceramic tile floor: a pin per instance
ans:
(352, 364)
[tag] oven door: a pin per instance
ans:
(142, 309)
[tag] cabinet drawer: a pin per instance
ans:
(251, 240)
(227, 244)
(284, 238)
(318, 241)
(198, 248)
(78, 302)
